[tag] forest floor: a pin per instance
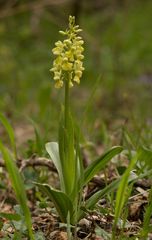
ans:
(97, 224)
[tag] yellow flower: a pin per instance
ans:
(78, 73)
(67, 66)
(68, 56)
(76, 79)
(58, 84)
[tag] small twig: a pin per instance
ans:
(38, 161)
(33, 162)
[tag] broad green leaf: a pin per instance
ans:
(71, 165)
(61, 201)
(53, 150)
(100, 163)
(61, 147)
(77, 193)
(67, 154)
(10, 216)
(10, 132)
(79, 162)
(18, 186)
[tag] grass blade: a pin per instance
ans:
(10, 132)
(121, 193)
(90, 203)
(122, 190)
(147, 216)
(38, 138)
(145, 159)
(18, 186)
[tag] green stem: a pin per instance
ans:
(68, 226)
(66, 106)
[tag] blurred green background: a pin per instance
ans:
(118, 67)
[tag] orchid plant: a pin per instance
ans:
(66, 154)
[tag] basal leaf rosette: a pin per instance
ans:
(69, 56)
